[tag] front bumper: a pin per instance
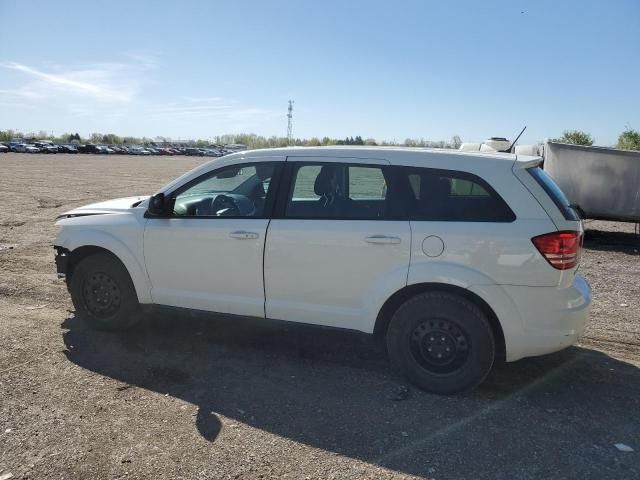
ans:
(62, 261)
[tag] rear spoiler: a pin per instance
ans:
(525, 162)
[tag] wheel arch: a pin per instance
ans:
(80, 253)
(398, 298)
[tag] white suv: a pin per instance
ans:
(456, 258)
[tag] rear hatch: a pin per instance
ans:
(563, 247)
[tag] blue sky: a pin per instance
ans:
(382, 69)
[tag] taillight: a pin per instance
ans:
(561, 249)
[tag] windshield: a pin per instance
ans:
(227, 182)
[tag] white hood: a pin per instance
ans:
(118, 205)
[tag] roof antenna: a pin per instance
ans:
(508, 150)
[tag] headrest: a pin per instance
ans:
(322, 185)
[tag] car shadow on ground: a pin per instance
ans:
(624, 242)
(334, 390)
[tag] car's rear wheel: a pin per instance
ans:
(441, 342)
(103, 293)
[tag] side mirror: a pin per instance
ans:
(157, 205)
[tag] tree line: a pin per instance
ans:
(627, 140)
(251, 140)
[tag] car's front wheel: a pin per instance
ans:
(103, 293)
(441, 342)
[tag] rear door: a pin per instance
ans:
(333, 248)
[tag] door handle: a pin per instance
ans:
(382, 240)
(242, 235)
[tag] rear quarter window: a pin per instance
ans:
(449, 196)
(551, 188)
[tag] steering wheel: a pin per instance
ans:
(224, 206)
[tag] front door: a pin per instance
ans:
(334, 250)
(208, 254)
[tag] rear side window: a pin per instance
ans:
(335, 191)
(554, 192)
(447, 196)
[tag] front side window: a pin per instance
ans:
(449, 196)
(233, 191)
(337, 191)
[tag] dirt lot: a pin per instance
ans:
(199, 398)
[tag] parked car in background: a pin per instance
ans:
(210, 152)
(236, 147)
(25, 148)
(46, 147)
(88, 148)
(455, 258)
(104, 150)
(67, 149)
(138, 151)
(15, 142)
(4, 148)
(49, 147)
(194, 152)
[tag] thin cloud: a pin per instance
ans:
(207, 100)
(143, 58)
(104, 96)
(18, 105)
(58, 79)
(103, 82)
(212, 108)
(193, 109)
(220, 109)
(18, 92)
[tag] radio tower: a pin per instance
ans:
(290, 123)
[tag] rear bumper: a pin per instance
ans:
(552, 318)
(539, 320)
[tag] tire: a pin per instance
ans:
(441, 342)
(103, 293)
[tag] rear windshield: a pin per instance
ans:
(552, 189)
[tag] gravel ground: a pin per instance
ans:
(194, 398)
